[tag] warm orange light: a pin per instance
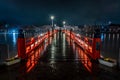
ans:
(36, 42)
(83, 55)
(32, 39)
(27, 49)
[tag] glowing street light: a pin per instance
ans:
(52, 18)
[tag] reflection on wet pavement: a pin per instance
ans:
(62, 59)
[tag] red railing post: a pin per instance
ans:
(21, 44)
(96, 45)
(96, 48)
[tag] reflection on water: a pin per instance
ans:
(102, 37)
(10, 39)
(110, 45)
(14, 38)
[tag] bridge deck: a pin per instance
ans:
(60, 61)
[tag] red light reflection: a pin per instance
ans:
(82, 55)
(35, 53)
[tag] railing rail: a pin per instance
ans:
(26, 45)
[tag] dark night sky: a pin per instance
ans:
(73, 11)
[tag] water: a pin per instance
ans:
(9, 39)
(110, 45)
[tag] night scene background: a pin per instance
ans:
(59, 39)
(74, 11)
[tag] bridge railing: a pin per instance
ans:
(26, 43)
(90, 44)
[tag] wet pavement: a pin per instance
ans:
(58, 58)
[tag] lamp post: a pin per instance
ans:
(64, 23)
(52, 18)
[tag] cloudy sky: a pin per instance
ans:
(72, 11)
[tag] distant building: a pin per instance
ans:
(114, 27)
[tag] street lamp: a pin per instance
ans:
(52, 18)
(64, 23)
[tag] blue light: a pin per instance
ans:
(13, 31)
(14, 37)
(102, 36)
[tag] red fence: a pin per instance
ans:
(91, 45)
(25, 46)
